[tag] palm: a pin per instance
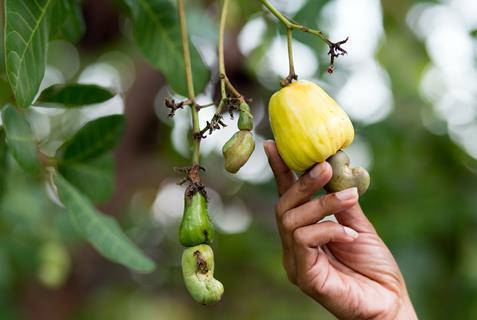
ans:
(361, 274)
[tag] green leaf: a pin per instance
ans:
(101, 231)
(3, 162)
(56, 17)
(26, 37)
(94, 178)
(75, 95)
(20, 139)
(157, 34)
(6, 94)
(2, 42)
(66, 20)
(94, 138)
(74, 27)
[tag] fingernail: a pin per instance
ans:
(347, 194)
(316, 171)
(350, 232)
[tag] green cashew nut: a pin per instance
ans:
(238, 150)
(198, 273)
(345, 177)
(196, 227)
(245, 121)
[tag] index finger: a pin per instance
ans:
(284, 177)
(305, 187)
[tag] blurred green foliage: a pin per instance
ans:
(422, 201)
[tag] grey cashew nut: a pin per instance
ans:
(198, 273)
(345, 177)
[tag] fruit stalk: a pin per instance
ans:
(290, 51)
(190, 84)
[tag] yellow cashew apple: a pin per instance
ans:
(308, 125)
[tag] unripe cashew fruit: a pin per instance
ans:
(237, 150)
(310, 127)
(245, 121)
(198, 273)
(196, 227)
(345, 177)
(53, 264)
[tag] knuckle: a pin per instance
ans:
(335, 230)
(329, 229)
(322, 203)
(299, 237)
(303, 184)
(329, 225)
(288, 221)
(327, 203)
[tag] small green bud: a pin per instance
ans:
(196, 227)
(198, 274)
(238, 150)
(245, 121)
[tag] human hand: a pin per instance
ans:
(343, 265)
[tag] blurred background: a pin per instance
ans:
(409, 84)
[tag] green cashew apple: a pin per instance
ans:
(198, 274)
(238, 150)
(196, 227)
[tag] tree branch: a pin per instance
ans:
(197, 136)
(226, 101)
(335, 49)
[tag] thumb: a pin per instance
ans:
(284, 177)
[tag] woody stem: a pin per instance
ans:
(190, 84)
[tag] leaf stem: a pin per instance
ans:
(293, 25)
(223, 18)
(335, 49)
(190, 84)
